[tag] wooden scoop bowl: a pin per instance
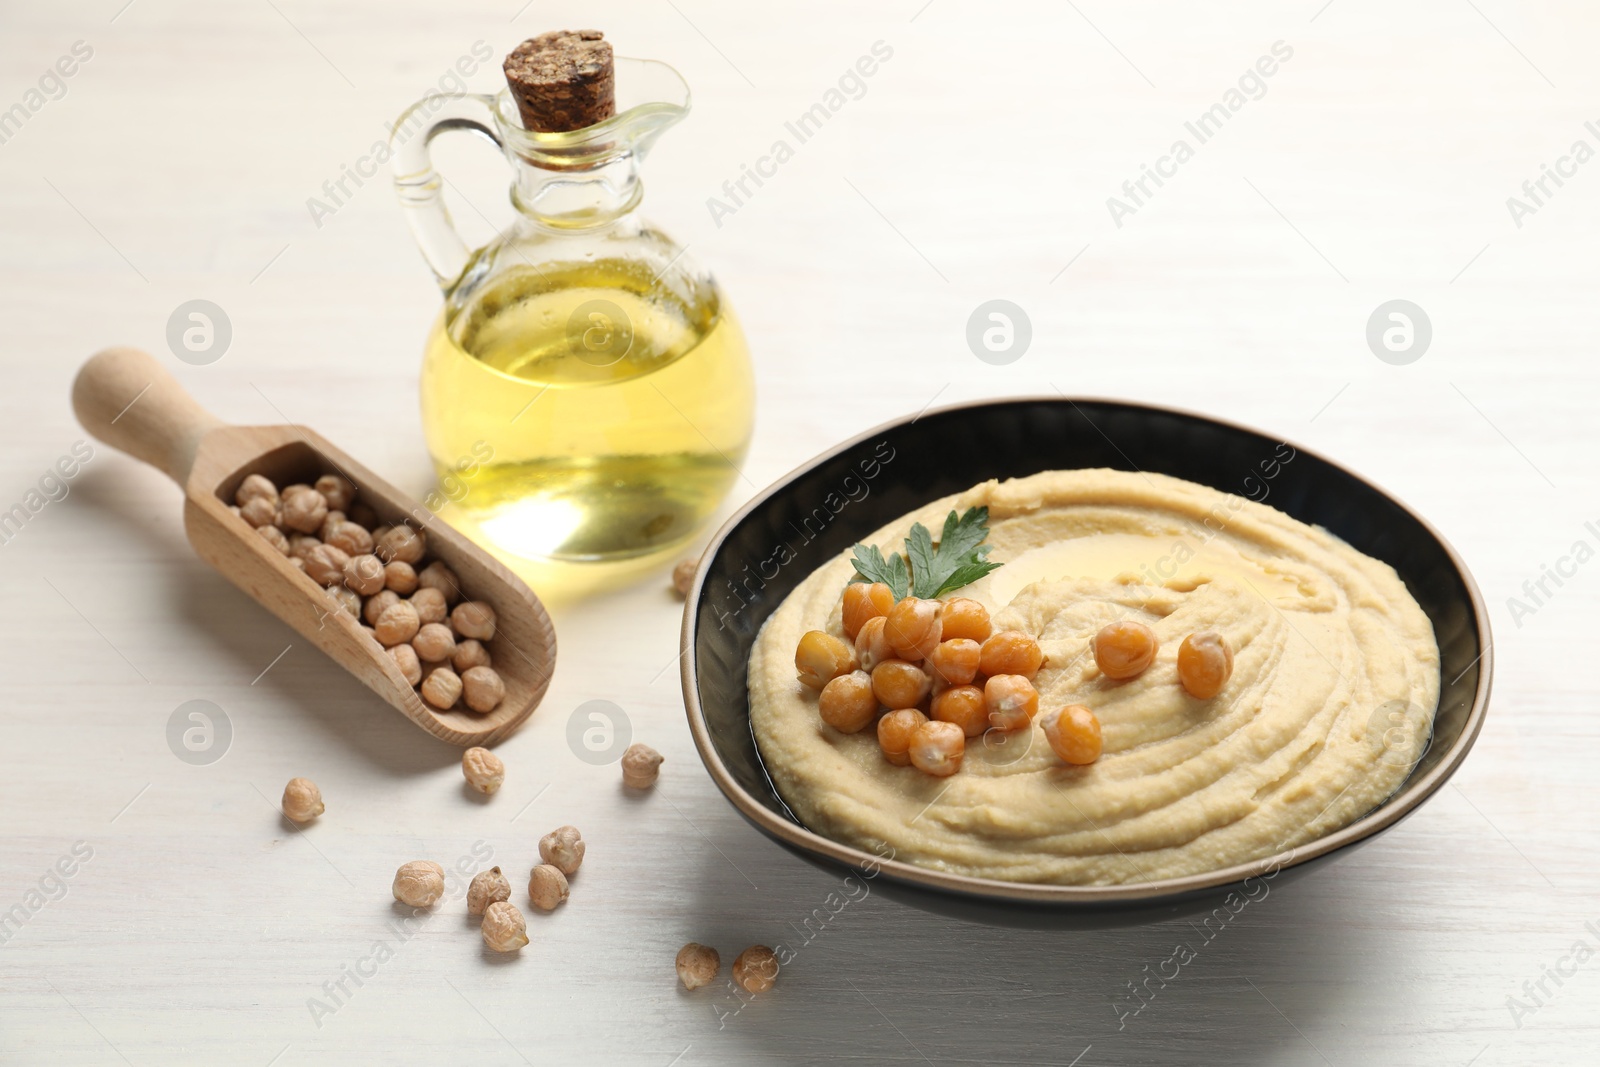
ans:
(124, 398)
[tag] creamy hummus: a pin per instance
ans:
(1332, 697)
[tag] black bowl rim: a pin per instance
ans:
(1406, 800)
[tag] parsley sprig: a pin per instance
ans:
(928, 571)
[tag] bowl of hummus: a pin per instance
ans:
(1357, 653)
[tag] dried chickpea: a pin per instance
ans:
(756, 968)
(504, 929)
(482, 688)
(345, 600)
(434, 642)
(683, 578)
(956, 661)
(297, 487)
(302, 800)
(912, 628)
(430, 605)
(397, 624)
(487, 887)
(379, 532)
(937, 748)
(563, 847)
(274, 537)
(336, 491)
(373, 608)
(964, 706)
(325, 564)
(300, 545)
(820, 658)
(872, 647)
(847, 703)
(469, 654)
(1074, 734)
(483, 770)
(1012, 701)
(641, 766)
(1123, 650)
(473, 619)
(898, 684)
(437, 576)
(894, 734)
(405, 657)
(863, 601)
(419, 883)
(258, 511)
(400, 577)
(1205, 662)
(697, 965)
(963, 617)
(329, 521)
(353, 539)
(364, 574)
(547, 887)
(304, 510)
(253, 486)
(441, 688)
(1011, 652)
(402, 543)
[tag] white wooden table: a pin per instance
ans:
(977, 165)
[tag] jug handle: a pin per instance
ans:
(419, 186)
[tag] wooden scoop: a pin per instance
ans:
(124, 398)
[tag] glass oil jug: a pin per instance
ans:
(587, 393)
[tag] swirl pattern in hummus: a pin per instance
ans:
(1292, 748)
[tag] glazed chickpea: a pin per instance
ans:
(964, 618)
(964, 706)
(473, 619)
(396, 625)
(937, 748)
(1074, 734)
(345, 600)
(848, 703)
(487, 887)
(563, 848)
(402, 543)
(419, 883)
(259, 511)
(364, 574)
(399, 577)
(325, 564)
(1123, 650)
(912, 628)
(820, 658)
(641, 766)
(697, 965)
(304, 510)
(302, 800)
(1205, 662)
(253, 486)
(1012, 701)
(482, 688)
(337, 492)
(683, 579)
(872, 647)
(504, 929)
(547, 887)
(1011, 652)
(956, 661)
(894, 734)
(430, 605)
(349, 537)
(483, 770)
(441, 688)
(437, 576)
(434, 642)
(405, 657)
(274, 537)
(469, 654)
(863, 601)
(898, 684)
(756, 968)
(374, 606)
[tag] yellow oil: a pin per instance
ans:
(588, 411)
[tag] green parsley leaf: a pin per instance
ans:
(872, 567)
(959, 559)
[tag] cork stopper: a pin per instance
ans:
(562, 80)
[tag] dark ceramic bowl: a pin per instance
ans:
(819, 510)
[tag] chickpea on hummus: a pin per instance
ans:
(1204, 690)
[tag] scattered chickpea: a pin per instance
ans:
(894, 734)
(564, 848)
(872, 647)
(956, 660)
(437, 576)
(397, 624)
(302, 800)
(434, 642)
(1205, 662)
(821, 657)
(430, 605)
(504, 928)
(274, 537)
(352, 539)
(937, 748)
(470, 654)
(441, 688)
(400, 577)
(373, 608)
(682, 579)
(304, 510)
(259, 511)
(253, 486)
(487, 887)
(482, 688)
(964, 618)
(847, 703)
(364, 574)
(641, 766)
(913, 628)
(473, 619)
(898, 684)
(756, 969)
(404, 544)
(1011, 652)
(336, 491)
(547, 887)
(697, 965)
(1012, 701)
(405, 657)
(419, 883)
(484, 771)
(1123, 650)
(325, 565)
(863, 601)
(963, 705)
(1074, 734)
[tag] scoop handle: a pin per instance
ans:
(125, 398)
